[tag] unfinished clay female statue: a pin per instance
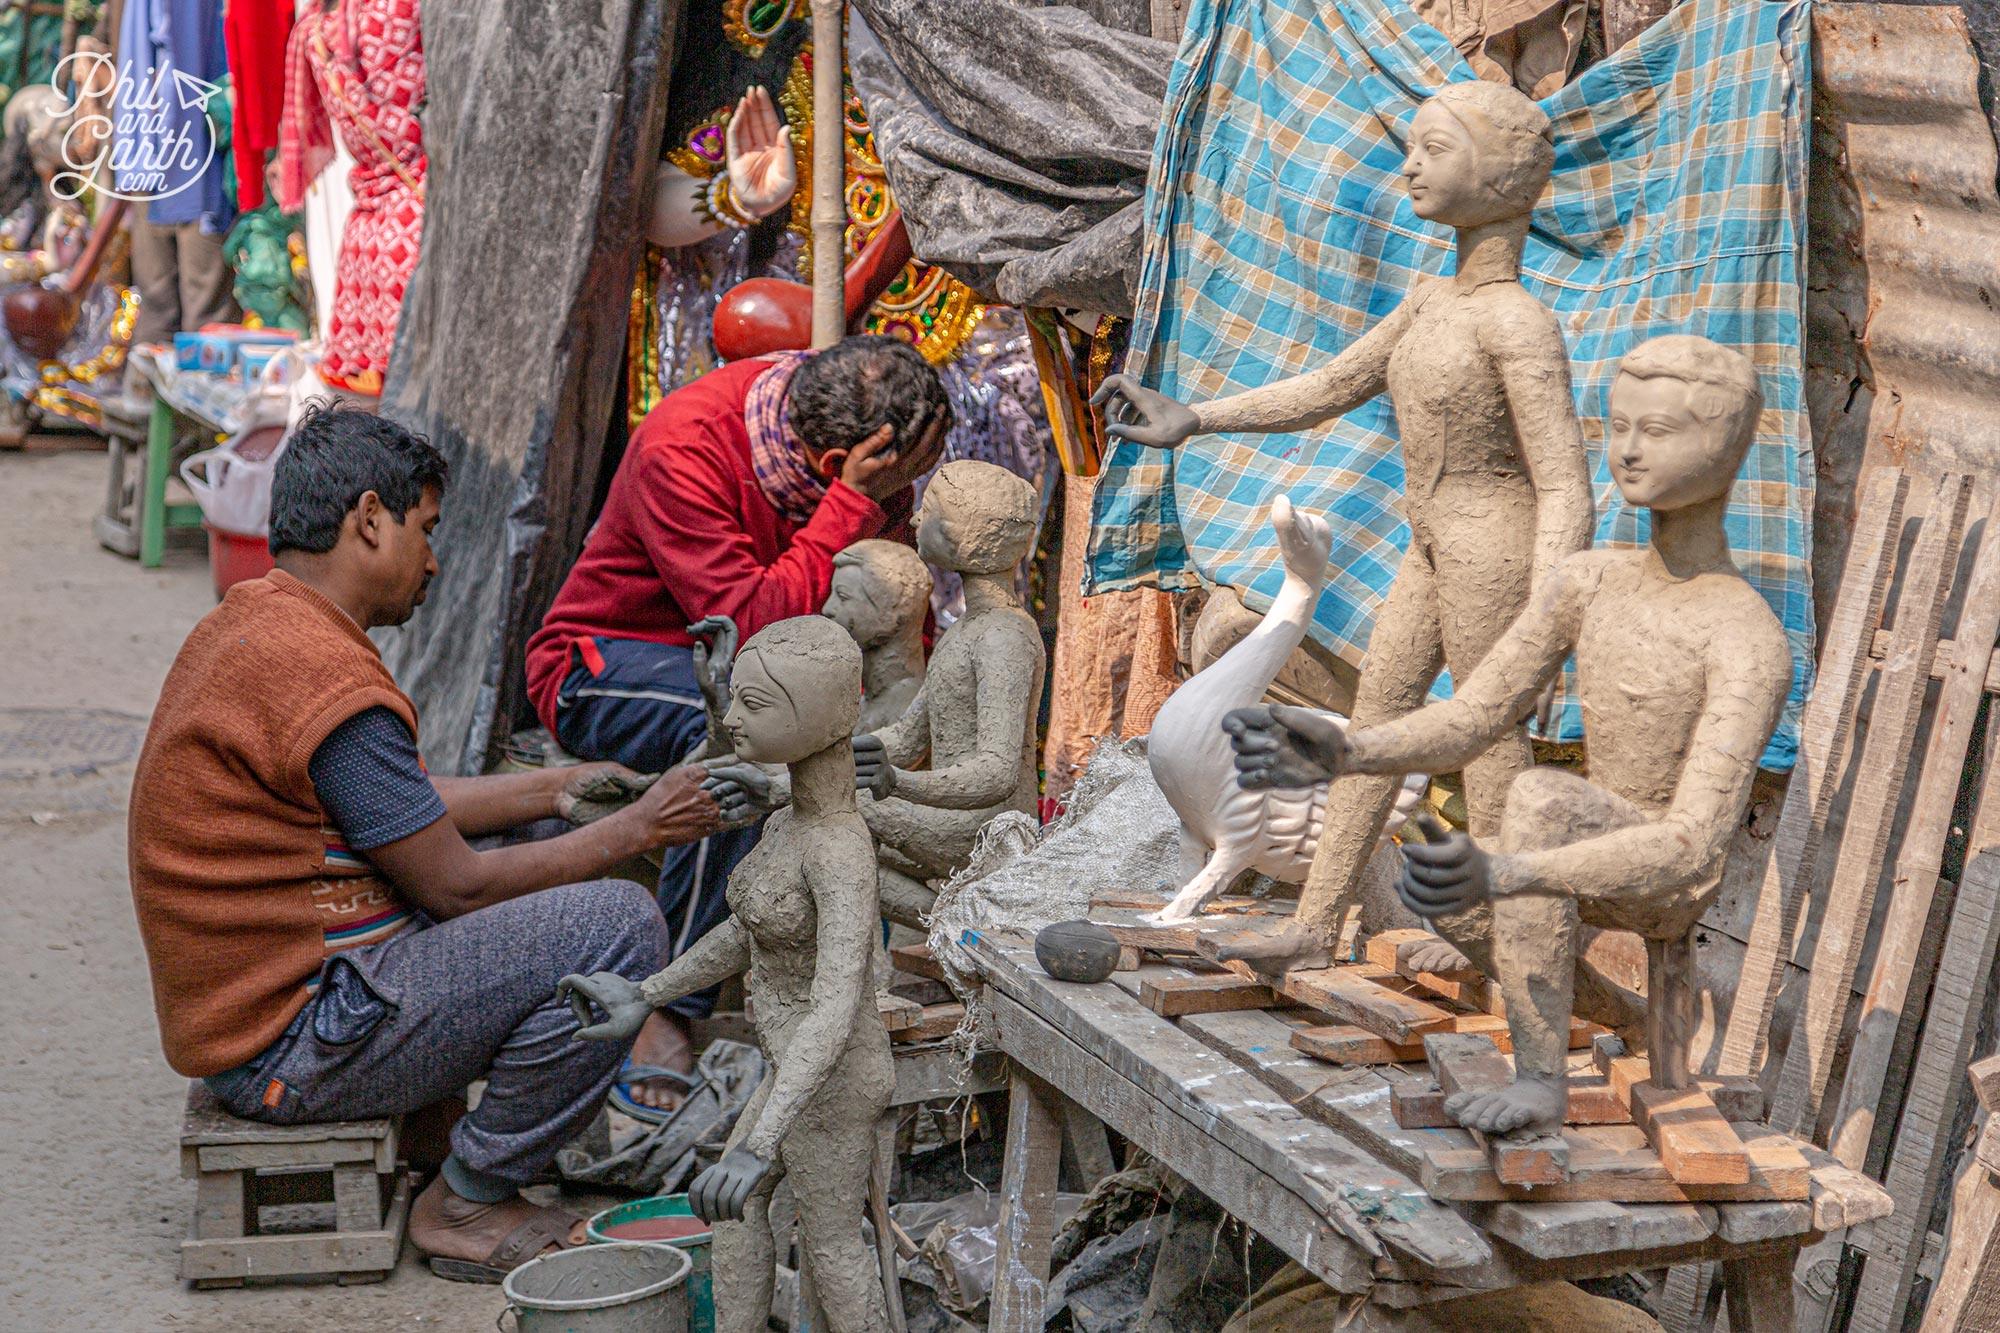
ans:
(1497, 490)
(1683, 670)
(975, 716)
(803, 920)
(1225, 828)
(880, 593)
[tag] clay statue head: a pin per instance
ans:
(1683, 414)
(795, 690)
(1479, 152)
(976, 518)
(880, 590)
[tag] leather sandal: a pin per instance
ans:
(542, 1228)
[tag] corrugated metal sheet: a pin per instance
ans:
(1903, 308)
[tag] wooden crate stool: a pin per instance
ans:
(241, 1167)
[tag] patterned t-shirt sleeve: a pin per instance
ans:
(371, 781)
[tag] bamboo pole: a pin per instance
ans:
(829, 201)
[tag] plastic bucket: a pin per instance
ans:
(236, 557)
(601, 1289)
(666, 1208)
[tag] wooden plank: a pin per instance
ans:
(1216, 1096)
(1343, 1043)
(1130, 926)
(1740, 1099)
(301, 1255)
(898, 1014)
(1916, 1163)
(250, 1156)
(1274, 1212)
(1966, 1296)
(357, 1197)
(1987, 1151)
(1879, 649)
(1464, 1064)
(917, 961)
(1825, 733)
(1627, 1172)
(931, 1073)
(1027, 1205)
(1591, 1102)
(934, 1021)
(1695, 1143)
(1872, 811)
(1985, 1074)
(1758, 1292)
(221, 1204)
(1211, 993)
(1355, 994)
(1895, 978)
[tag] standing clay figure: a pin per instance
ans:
(975, 715)
(803, 921)
(880, 593)
(1226, 828)
(1497, 490)
(1683, 671)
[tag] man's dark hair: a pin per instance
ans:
(335, 456)
(844, 394)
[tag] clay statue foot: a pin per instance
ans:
(1270, 952)
(1439, 957)
(1525, 1107)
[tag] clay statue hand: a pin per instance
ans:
(744, 791)
(715, 639)
(1144, 416)
(872, 770)
(619, 997)
(592, 791)
(719, 1193)
(762, 170)
(1280, 746)
(1446, 872)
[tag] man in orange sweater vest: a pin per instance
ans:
(323, 942)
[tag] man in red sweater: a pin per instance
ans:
(732, 499)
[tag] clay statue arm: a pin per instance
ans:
(712, 663)
(908, 739)
(1307, 400)
(1494, 698)
(841, 876)
(1685, 847)
(719, 955)
(1001, 683)
(1534, 368)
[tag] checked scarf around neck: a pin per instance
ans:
(777, 454)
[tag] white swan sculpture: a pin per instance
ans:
(1226, 830)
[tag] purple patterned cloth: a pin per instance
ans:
(777, 454)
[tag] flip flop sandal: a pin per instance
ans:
(621, 1099)
(542, 1228)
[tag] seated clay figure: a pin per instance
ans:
(975, 716)
(880, 593)
(1682, 670)
(803, 916)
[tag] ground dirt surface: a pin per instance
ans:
(94, 1206)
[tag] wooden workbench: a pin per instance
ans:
(1308, 1155)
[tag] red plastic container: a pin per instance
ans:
(234, 557)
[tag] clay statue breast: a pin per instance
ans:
(768, 894)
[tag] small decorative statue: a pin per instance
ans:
(880, 593)
(975, 716)
(1226, 828)
(1497, 489)
(1683, 671)
(803, 922)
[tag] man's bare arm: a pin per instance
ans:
(1684, 849)
(1441, 737)
(1341, 385)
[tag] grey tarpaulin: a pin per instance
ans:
(1016, 140)
(542, 119)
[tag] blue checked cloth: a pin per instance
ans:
(1278, 231)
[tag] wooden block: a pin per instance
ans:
(1387, 948)
(917, 961)
(357, 1197)
(1605, 1166)
(1344, 1043)
(1128, 959)
(1985, 1074)
(1214, 993)
(1987, 1152)
(1541, 1159)
(1695, 1143)
(898, 1013)
(1738, 1098)
(1465, 1063)
(1356, 995)
(933, 1022)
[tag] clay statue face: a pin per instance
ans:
(763, 720)
(936, 541)
(1478, 153)
(1663, 454)
(1442, 169)
(975, 518)
(860, 604)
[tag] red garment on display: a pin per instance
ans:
(358, 69)
(254, 33)
(687, 532)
